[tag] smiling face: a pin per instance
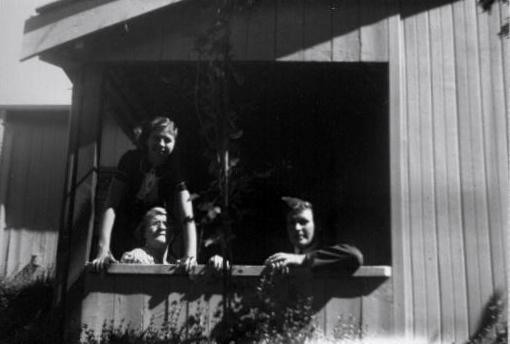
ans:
(160, 144)
(300, 228)
(156, 231)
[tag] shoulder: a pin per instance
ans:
(137, 256)
(349, 250)
(131, 157)
(172, 174)
(128, 163)
(343, 256)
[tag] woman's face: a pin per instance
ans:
(156, 231)
(301, 228)
(160, 144)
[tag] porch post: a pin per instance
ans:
(5, 153)
(78, 203)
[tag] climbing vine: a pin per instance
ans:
(215, 79)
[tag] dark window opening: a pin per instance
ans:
(316, 130)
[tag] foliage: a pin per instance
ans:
(486, 5)
(494, 326)
(26, 314)
(221, 203)
(168, 333)
(266, 317)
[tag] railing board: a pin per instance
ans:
(237, 270)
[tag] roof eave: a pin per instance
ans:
(56, 25)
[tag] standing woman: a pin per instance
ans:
(145, 178)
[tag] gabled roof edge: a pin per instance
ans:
(58, 25)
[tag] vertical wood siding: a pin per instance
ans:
(454, 166)
(33, 161)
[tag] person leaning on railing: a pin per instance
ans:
(145, 178)
(307, 251)
(157, 233)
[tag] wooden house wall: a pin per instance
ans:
(32, 172)
(448, 129)
(453, 167)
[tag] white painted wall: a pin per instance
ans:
(32, 82)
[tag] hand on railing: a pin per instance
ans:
(188, 264)
(216, 263)
(102, 261)
(280, 262)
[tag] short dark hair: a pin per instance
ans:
(148, 127)
(296, 205)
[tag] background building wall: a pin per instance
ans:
(32, 169)
(34, 109)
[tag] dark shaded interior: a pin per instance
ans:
(313, 130)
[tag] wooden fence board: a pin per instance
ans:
(317, 38)
(178, 37)
(290, 30)
(465, 152)
(471, 169)
(35, 177)
(427, 194)
(98, 305)
(18, 176)
(415, 187)
(374, 32)
(6, 140)
(496, 153)
(342, 313)
(261, 29)
(453, 176)
(345, 21)
(480, 222)
(447, 317)
(376, 310)
(129, 303)
(52, 168)
(239, 34)
(401, 280)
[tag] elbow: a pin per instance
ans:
(357, 257)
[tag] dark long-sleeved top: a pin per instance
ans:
(340, 257)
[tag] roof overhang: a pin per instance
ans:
(64, 21)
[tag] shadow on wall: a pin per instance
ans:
(275, 29)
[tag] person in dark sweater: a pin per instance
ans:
(306, 249)
(146, 177)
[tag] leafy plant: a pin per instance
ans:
(220, 205)
(494, 326)
(26, 314)
(170, 332)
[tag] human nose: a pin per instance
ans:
(297, 227)
(160, 142)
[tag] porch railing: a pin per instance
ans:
(139, 296)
